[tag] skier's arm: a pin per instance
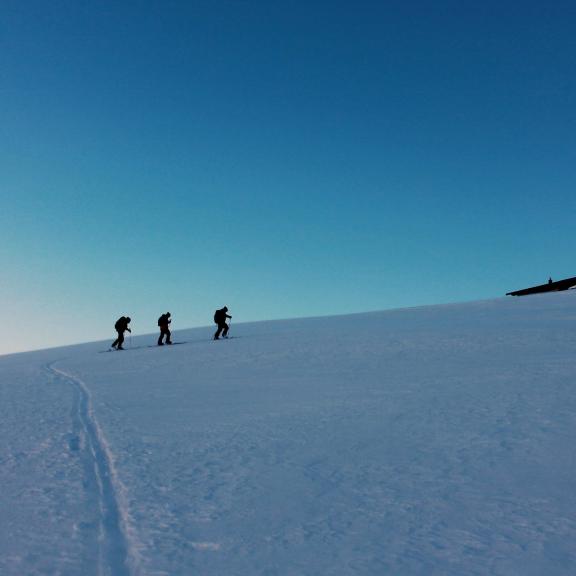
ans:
(228, 316)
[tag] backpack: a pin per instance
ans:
(160, 320)
(119, 324)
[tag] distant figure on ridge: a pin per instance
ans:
(121, 326)
(164, 322)
(549, 280)
(220, 319)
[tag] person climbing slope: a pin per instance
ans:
(121, 326)
(164, 322)
(220, 319)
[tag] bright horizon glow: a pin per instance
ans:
(285, 161)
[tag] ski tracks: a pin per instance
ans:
(118, 548)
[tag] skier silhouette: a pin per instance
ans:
(121, 326)
(164, 322)
(220, 319)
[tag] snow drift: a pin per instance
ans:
(425, 441)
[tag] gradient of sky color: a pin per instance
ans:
(284, 158)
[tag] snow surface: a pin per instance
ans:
(429, 441)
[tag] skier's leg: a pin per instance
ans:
(168, 334)
(226, 327)
(218, 332)
(120, 340)
(160, 337)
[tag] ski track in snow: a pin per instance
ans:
(117, 544)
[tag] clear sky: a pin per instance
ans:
(286, 159)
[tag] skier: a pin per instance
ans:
(220, 319)
(121, 326)
(164, 322)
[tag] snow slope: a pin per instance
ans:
(429, 441)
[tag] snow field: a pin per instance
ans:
(425, 441)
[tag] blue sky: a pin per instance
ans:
(286, 159)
